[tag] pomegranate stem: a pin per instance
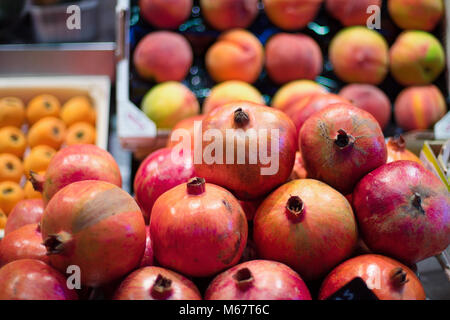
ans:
(241, 118)
(37, 181)
(162, 288)
(295, 206)
(243, 278)
(417, 203)
(399, 277)
(196, 186)
(343, 140)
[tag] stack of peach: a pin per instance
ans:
(29, 137)
(359, 56)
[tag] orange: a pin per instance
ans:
(29, 191)
(49, 131)
(10, 194)
(38, 159)
(3, 219)
(81, 132)
(78, 109)
(12, 112)
(11, 168)
(12, 140)
(44, 105)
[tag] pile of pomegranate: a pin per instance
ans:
(251, 235)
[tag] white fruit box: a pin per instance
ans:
(95, 88)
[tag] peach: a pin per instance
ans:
(231, 91)
(416, 14)
(351, 12)
(291, 14)
(237, 55)
(359, 54)
(165, 13)
(417, 58)
(168, 103)
(291, 57)
(228, 14)
(296, 92)
(163, 56)
(419, 107)
(371, 99)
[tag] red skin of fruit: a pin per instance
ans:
(165, 13)
(29, 279)
(187, 124)
(299, 171)
(271, 281)
(293, 56)
(100, 228)
(343, 167)
(138, 286)
(241, 179)
(227, 14)
(23, 243)
(250, 207)
(147, 258)
(389, 216)
(371, 99)
(157, 174)
(198, 235)
(291, 14)
(396, 149)
(377, 271)
(416, 14)
(313, 242)
(351, 12)
(300, 113)
(163, 56)
(25, 212)
(77, 163)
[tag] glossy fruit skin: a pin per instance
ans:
(29, 279)
(77, 163)
(241, 179)
(138, 286)
(165, 14)
(211, 226)
(25, 212)
(304, 242)
(99, 227)
(376, 271)
(147, 259)
(341, 167)
(23, 243)
(186, 124)
(157, 174)
(271, 281)
(396, 149)
(403, 211)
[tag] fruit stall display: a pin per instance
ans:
(347, 200)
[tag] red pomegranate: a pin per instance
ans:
(76, 163)
(25, 212)
(158, 173)
(250, 207)
(300, 113)
(23, 243)
(403, 211)
(340, 144)
(147, 258)
(258, 280)
(186, 124)
(387, 278)
(266, 136)
(299, 171)
(154, 283)
(29, 279)
(198, 229)
(307, 225)
(96, 226)
(396, 150)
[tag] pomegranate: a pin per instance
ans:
(396, 150)
(186, 124)
(76, 163)
(159, 173)
(198, 229)
(250, 207)
(258, 280)
(154, 283)
(387, 278)
(299, 171)
(23, 243)
(267, 131)
(318, 102)
(307, 225)
(340, 144)
(147, 258)
(29, 279)
(96, 226)
(25, 212)
(403, 211)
